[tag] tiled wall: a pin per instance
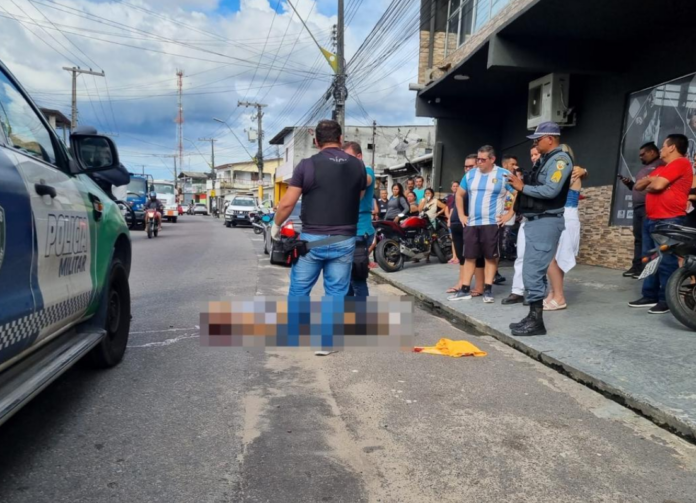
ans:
(601, 244)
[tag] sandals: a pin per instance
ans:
(554, 306)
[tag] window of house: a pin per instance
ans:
(466, 17)
(460, 21)
(370, 146)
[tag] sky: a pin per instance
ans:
(228, 50)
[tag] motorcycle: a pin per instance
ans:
(151, 225)
(680, 291)
(261, 222)
(413, 238)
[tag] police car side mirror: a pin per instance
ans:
(94, 153)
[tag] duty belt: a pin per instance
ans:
(544, 215)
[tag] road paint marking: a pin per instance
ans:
(166, 330)
(167, 342)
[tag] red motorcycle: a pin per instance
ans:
(413, 238)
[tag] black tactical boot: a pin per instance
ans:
(522, 322)
(535, 323)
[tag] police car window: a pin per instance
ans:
(22, 126)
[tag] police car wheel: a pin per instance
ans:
(110, 350)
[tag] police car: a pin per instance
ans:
(65, 252)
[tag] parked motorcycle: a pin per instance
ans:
(413, 238)
(680, 291)
(152, 229)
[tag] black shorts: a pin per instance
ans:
(482, 241)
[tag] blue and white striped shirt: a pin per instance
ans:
(486, 194)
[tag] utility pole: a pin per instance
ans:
(259, 155)
(180, 116)
(75, 70)
(212, 152)
(213, 176)
(340, 92)
(374, 145)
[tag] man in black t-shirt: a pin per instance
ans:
(331, 184)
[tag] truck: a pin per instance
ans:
(166, 194)
(136, 196)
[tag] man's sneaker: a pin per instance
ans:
(488, 297)
(513, 298)
(642, 302)
(498, 280)
(660, 308)
(631, 272)
(463, 294)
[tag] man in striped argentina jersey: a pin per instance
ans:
(486, 188)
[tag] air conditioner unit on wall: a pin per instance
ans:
(548, 100)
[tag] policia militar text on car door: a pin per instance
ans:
(65, 252)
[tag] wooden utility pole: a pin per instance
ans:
(340, 91)
(374, 145)
(75, 70)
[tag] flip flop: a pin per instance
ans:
(554, 306)
(453, 290)
(476, 294)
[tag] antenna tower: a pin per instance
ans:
(180, 116)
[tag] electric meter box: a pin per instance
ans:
(548, 100)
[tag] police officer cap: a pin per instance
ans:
(546, 129)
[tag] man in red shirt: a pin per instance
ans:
(667, 190)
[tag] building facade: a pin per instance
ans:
(193, 187)
(382, 146)
(243, 178)
(611, 82)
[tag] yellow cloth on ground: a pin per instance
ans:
(448, 347)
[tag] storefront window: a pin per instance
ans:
(651, 115)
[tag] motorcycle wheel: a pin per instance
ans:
(437, 250)
(155, 232)
(389, 255)
(681, 297)
(443, 247)
(257, 230)
(149, 231)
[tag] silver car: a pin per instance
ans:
(200, 209)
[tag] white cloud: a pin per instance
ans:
(220, 56)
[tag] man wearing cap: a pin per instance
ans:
(542, 199)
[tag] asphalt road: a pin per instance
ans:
(176, 422)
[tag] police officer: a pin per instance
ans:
(542, 199)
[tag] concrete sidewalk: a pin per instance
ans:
(647, 362)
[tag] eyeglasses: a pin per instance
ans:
(481, 160)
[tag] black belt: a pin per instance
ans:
(544, 215)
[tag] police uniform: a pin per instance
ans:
(542, 202)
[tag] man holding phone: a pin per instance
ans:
(650, 158)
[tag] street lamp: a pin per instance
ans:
(248, 153)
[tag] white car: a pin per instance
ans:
(240, 211)
(200, 209)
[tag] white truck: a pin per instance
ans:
(166, 193)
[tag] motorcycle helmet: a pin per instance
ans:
(153, 196)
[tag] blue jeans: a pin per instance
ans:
(335, 261)
(358, 287)
(654, 286)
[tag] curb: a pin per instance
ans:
(658, 416)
